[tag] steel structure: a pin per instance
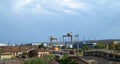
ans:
(77, 41)
(69, 35)
(51, 39)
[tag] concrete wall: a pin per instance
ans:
(6, 57)
(40, 54)
(112, 56)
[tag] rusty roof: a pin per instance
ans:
(41, 50)
(10, 49)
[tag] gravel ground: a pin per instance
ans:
(99, 60)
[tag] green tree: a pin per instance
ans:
(32, 53)
(112, 46)
(63, 47)
(41, 60)
(117, 47)
(85, 47)
(100, 46)
(65, 60)
(41, 46)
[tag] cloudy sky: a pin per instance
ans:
(36, 20)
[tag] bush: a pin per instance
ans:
(117, 46)
(35, 61)
(112, 46)
(32, 53)
(85, 47)
(65, 60)
(100, 46)
(42, 60)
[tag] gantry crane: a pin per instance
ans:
(51, 44)
(51, 39)
(69, 35)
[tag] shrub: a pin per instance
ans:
(35, 61)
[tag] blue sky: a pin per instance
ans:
(36, 20)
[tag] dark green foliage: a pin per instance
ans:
(41, 46)
(36, 61)
(100, 46)
(117, 46)
(45, 59)
(63, 47)
(85, 47)
(112, 46)
(33, 53)
(42, 60)
(65, 60)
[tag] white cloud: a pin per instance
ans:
(70, 12)
(22, 3)
(66, 6)
(71, 4)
